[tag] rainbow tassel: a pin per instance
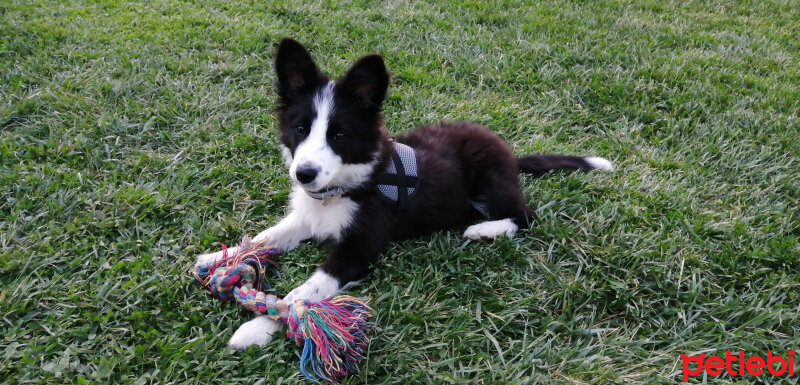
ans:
(333, 335)
(332, 332)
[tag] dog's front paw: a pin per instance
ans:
(208, 259)
(321, 285)
(257, 332)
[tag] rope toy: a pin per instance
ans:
(332, 332)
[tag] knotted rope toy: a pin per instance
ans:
(332, 332)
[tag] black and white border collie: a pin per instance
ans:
(335, 144)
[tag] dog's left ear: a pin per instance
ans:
(367, 81)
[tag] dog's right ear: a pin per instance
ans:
(297, 73)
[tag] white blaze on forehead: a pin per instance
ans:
(323, 104)
(314, 151)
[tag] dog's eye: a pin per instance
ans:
(301, 129)
(340, 136)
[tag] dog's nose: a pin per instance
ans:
(306, 174)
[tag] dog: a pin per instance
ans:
(353, 184)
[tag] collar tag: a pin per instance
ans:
(328, 198)
(327, 195)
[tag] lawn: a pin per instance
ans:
(136, 135)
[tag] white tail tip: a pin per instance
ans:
(598, 163)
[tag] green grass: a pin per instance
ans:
(134, 136)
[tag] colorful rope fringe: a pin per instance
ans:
(332, 331)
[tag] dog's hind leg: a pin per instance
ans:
(491, 229)
(507, 215)
(495, 192)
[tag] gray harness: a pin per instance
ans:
(399, 182)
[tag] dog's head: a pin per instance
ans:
(331, 130)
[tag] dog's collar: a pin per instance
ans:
(327, 194)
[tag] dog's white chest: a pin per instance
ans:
(326, 219)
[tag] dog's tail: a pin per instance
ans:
(540, 164)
